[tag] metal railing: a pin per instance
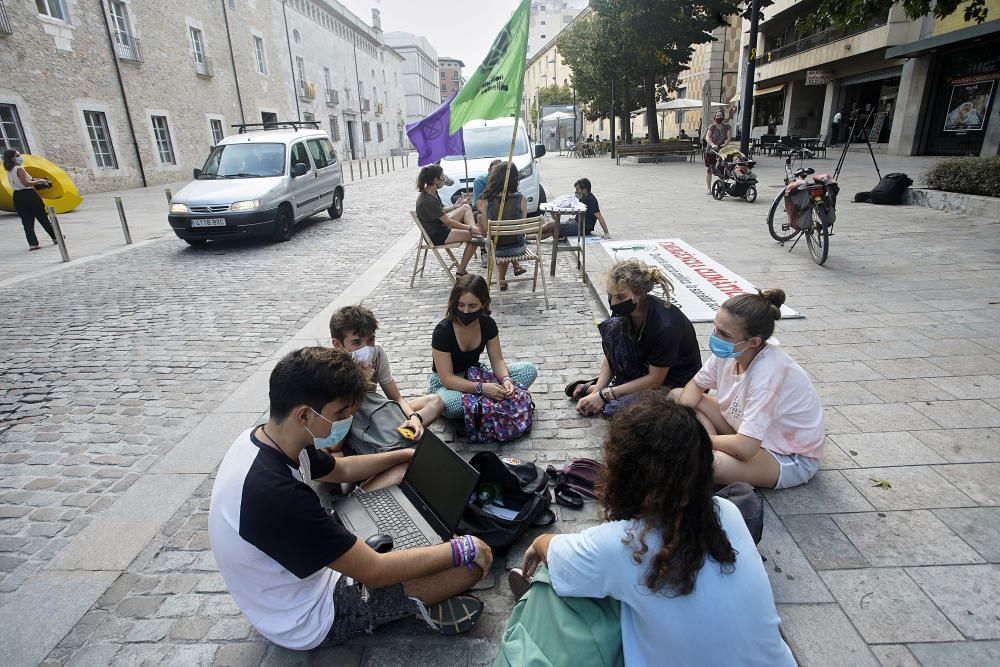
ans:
(203, 67)
(127, 47)
(819, 39)
(332, 97)
(366, 105)
(5, 27)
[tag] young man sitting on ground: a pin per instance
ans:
(352, 329)
(301, 579)
(592, 217)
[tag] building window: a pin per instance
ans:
(232, 4)
(543, 21)
(51, 8)
(334, 128)
(300, 70)
(378, 132)
(164, 148)
(455, 76)
(100, 139)
(11, 130)
(125, 44)
(366, 131)
(218, 134)
(269, 119)
(567, 19)
(197, 45)
(543, 36)
(258, 51)
(308, 117)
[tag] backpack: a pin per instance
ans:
(750, 504)
(581, 475)
(512, 496)
(890, 189)
(373, 429)
(490, 420)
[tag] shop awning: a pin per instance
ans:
(922, 46)
(768, 91)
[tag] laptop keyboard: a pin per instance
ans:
(392, 519)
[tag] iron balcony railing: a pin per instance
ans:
(307, 91)
(332, 97)
(203, 67)
(127, 47)
(366, 105)
(819, 39)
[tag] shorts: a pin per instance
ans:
(794, 469)
(710, 159)
(354, 614)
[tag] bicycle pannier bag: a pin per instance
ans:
(798, 206)
(890, 189)
(491, 420)
(373, 429)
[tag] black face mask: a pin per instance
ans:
(622, 309)
(468, 318)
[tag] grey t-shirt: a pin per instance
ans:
(429, 212)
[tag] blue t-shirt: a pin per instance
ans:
(728, 619)
(478, 186)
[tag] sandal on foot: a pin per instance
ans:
(520, 270)
(459, 274)
(568, 497)
(571, 388)
(519, 584)
(454, 616)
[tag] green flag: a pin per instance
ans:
(494, 91)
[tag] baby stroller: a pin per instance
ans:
(735, 175)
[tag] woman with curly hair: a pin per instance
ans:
(766, 419)
(648, 343)
(691, 583)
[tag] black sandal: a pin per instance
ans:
(520, 271)
(570, 389)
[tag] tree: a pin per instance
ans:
(856, 13)
(643, 44)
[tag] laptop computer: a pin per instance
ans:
(424, 508)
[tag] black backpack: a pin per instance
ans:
(511, 497)
(750, 504)
(890, 189)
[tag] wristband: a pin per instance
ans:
(601, 395)
(455, 558)
(418, 416)
(479, 388)
(505, 378)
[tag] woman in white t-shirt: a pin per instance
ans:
(766, 420)
(691, 583)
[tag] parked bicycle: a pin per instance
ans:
(810, 207)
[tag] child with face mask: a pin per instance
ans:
(766, 419)
(352, 329)
(648, 344)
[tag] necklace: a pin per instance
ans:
(274, 442)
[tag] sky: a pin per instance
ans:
(466, 37)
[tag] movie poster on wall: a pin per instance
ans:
(969, 103)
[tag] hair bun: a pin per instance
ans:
(776, 297)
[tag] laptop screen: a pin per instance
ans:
(442, 478)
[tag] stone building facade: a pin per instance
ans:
(420, 74)
(125, 93)
(450, 75)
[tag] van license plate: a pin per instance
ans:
(209, 222)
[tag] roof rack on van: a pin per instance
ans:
(277, 124)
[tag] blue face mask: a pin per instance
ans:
(723, 348)
(19, 160)
(338, 430)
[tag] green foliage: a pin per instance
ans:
(555, 94)
(968, 175)
(857, 13)
(642, 44)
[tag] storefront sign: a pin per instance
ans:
(968, 105)
(817, 77)
(700, 283)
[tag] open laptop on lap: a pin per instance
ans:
(424, 508)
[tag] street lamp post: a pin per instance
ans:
(748, 80)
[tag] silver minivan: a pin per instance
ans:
(260, 183)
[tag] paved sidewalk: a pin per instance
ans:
(163, 353)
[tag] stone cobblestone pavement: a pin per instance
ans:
(900, 337)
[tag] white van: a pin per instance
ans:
(260, 183)
(488, 140)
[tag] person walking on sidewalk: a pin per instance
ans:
(27, 203)
(682, 564)
(301, 578)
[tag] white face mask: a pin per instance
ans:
(364, 355)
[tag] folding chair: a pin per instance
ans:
(425, 244)
(526, 226)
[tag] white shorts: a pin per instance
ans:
(794, 469)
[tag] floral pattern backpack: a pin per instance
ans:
(490, 420)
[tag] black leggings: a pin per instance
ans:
(30, 207)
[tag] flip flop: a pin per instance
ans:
(570, 389)
(454, 616)
(567, 497)
(519, 584)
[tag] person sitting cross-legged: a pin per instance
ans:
(300, 578)
(680, 563)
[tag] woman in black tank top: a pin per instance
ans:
(515, 207)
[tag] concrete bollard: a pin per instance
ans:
(351, 164)
(60, 241)
(121, 216)
(369, 165)
(170, 195)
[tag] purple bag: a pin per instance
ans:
(490, 420)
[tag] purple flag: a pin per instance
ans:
(430, 136)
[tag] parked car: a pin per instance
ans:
(260, 183)
(488, 140)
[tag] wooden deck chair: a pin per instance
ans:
(532, 252)
(425, 244)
